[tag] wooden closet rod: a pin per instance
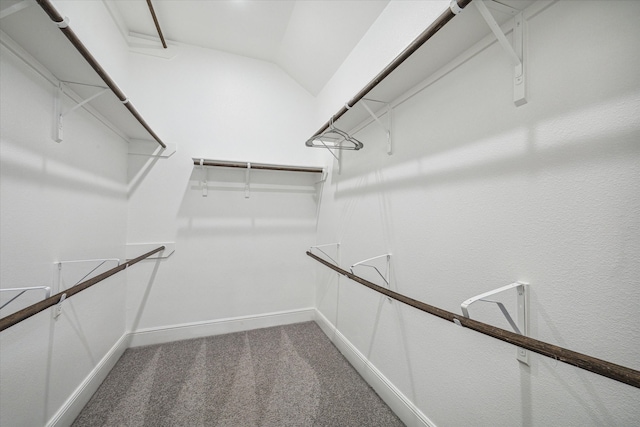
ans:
(75, 41)
(437, 25)
(25, 313)
(598, 366)
(264, 166)
(157, 24)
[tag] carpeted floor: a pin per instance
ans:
(283, 376)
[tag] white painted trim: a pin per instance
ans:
(397, 401)
(80, 397)
(163, 334)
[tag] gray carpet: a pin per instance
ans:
(283, 376)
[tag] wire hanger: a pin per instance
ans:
(333, 139)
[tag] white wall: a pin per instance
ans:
(86, 198)
(234, 256)
(60, 201)
(479, 194)
(396, 27)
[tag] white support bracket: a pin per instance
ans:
(515, 52)
(59, 114)
(57, 311)
(387, 273)
(247, 184)
(205, 184)
(323, 178)
(149, 148)
(386, 128)
(46, 289)
(522, 325)
(337, 245)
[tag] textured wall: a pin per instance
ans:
(235, 256)
(86, 198)
(479, 194)
(60, 201)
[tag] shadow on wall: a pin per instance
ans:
(21, 164)
(139, 167)
(583, 106)
(599, 133)
(260, 181)
(147, 290)
(274, 203)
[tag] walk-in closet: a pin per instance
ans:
(319, 213)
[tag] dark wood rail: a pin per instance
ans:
(25, 313)
(157, 24)
(598, 366)
(80, 47)
(263, 166)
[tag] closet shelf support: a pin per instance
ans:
(58, 309)
(387, 272)
(515, 52)
(59, 114)
(148, 148)
(337, 245)
(522, 325)
(386, 128)
(247, 183)
(46, 289)
(205, 184)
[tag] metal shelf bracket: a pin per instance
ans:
(323, 178)
(386, 128)
(522, 325)
(337, 245)
(205, 185)
(46, 289)
(57, 311)
(148, 148)
(515, 52)
(60, 282)
(59, 114)
(385, 276)
(247, 183)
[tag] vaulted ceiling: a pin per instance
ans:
(308, 39)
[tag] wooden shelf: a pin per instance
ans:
(445, 43)
(257, 166)
(32, 35)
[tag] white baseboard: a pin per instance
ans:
(80, 397)
(186, 331)
(397, 401)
